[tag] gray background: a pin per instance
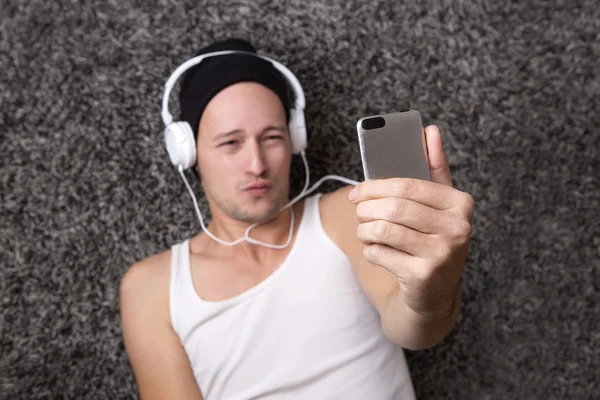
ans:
(87, 188)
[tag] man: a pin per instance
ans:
(369, 271)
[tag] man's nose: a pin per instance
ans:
(256, 158)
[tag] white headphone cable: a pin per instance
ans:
(283, 246)
(246, 236)
(180, 169)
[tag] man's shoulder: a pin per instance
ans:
(332, 201)
(150, 275)
(144, 309)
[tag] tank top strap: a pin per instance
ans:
(180, 265)
(311, 212)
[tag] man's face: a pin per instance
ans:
(243, 141)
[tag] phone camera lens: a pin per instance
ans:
(373, 123)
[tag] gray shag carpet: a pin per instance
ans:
(87, 188)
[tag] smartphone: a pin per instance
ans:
(393, 146)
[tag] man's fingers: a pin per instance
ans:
(405, 212)
(438, 162)
(395, 236)
(431, 194)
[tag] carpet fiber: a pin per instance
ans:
(87, 188)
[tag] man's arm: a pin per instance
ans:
(408, 240)
(159, 362)
(400, 324)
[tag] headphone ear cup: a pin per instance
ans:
(180, 143)
(297, 131)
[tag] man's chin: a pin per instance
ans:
(260, 211)
(266, 216)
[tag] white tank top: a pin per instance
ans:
(306, 332)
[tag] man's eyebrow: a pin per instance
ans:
(222, 135)
(274, 128)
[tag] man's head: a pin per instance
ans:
(238, 108)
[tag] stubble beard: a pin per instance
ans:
(238, 213)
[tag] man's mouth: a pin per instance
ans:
(258, 188)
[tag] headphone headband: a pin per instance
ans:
(167, 117)
(179, 136)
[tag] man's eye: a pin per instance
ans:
(274, 137)
(228, 143)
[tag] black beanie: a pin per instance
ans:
(203, 81)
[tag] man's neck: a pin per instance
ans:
(276, 232)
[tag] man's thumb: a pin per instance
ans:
(438, 162)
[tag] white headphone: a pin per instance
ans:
(179, 136)
(181, 146)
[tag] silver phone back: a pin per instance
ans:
(395, 150)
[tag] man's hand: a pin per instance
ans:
(419, 231)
